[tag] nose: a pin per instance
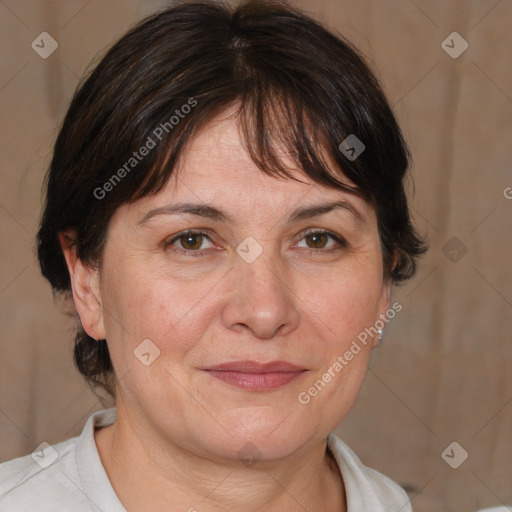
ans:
(261, 302)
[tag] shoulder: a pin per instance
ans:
(390, 492)
(56, 475)
(366, 488)
(40, 480)
(496, 509)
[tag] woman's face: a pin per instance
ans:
(261, 283)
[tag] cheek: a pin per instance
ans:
(144, 305)
(342, 315)
(345, 305)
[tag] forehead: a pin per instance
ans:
(217, 174)
(217, 167)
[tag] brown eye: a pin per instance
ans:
(322, 241)
(317, 240)
(191, 241)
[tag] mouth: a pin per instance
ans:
(254, 376)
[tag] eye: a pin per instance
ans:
(190, 241)
(319, 240)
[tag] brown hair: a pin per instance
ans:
(297, 86)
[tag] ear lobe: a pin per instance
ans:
(384, 304)
(85, 287)
(385, 296)
(385, 300)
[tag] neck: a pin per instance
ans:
(148, 474)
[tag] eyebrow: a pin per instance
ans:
(210, 212)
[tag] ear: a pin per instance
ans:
(85, 286)
(385, 297)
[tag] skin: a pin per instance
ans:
(303, 300)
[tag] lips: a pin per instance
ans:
(255, 367)
(255, 376)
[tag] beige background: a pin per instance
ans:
(443, 372)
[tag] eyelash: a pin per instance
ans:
(342, 243)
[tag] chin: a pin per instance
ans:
(261, 432)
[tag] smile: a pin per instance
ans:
(255, 376)
(256, 381)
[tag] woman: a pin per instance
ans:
(226, 206)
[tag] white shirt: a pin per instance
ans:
(494, 509)
(70, 477)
